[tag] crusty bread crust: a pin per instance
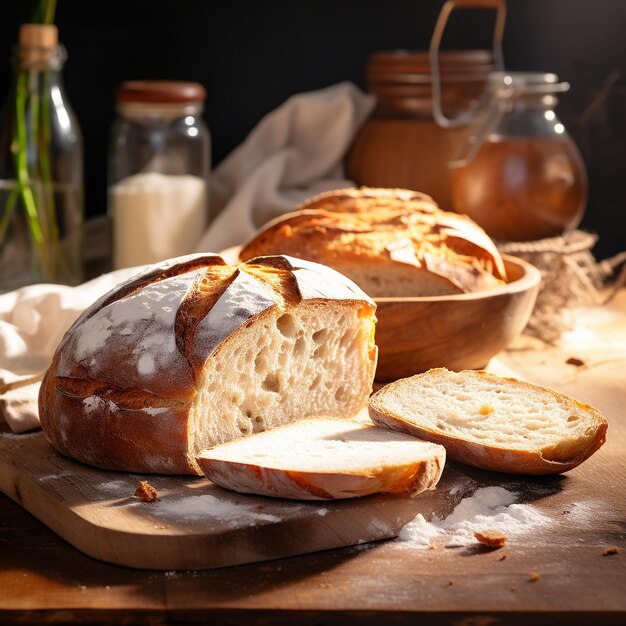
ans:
(513, 460)
(123, 380)
(403, 476)
(379, 230)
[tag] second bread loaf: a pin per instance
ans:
(391, 242)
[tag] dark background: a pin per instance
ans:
(251, 56)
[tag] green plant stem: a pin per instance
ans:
(23, 176)
(8, 213)
(45, 137)
(44, 12)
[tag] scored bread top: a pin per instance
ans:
(496, 423)
(386, 227)
(151, 334)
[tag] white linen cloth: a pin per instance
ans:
(32, 321)
(295, 152)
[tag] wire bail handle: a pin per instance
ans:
(435, 44)
(502, 101)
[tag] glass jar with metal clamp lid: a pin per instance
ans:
(517, 173)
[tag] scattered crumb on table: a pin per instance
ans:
(533, 577)
(146, 492)
(490, 538)
(502, 557)
(610, 551)
(575, 361)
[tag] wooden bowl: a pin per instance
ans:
(457, 332)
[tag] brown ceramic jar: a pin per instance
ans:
(401, 145)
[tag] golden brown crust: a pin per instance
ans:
(97, 431)
(385, 228)
(244, 477)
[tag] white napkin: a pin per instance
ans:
(32, 321)
(294, 152)
(20, 407)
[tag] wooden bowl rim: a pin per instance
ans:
(527, 281)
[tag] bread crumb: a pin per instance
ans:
(575, 361)
(490, 538)
(450, 583)
(502, 557)
(146, 492)
(611, 550)
(513, 588)
(533, 577)
(325, 585)
(485, 409)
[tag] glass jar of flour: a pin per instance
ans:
(159, 165)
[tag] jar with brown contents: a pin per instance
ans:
(520, 175)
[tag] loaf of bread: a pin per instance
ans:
(325, 458)
(194, 352)
(494, 423)
(391, 242)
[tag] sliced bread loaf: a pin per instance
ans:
(495, 423)
(194, 352)
(325, 458)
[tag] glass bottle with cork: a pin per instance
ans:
(41, 168)
(159, 165)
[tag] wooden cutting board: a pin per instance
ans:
(194, 524)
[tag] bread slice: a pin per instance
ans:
(495, 423)
(325, 458)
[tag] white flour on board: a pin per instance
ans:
(205, 507)
(489, 508)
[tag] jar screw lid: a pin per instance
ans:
(160, 91)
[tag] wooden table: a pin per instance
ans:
(44, 580)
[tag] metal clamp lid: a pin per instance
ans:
(435, 43)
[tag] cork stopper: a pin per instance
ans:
(38, 35)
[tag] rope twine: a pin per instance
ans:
(571, 277)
